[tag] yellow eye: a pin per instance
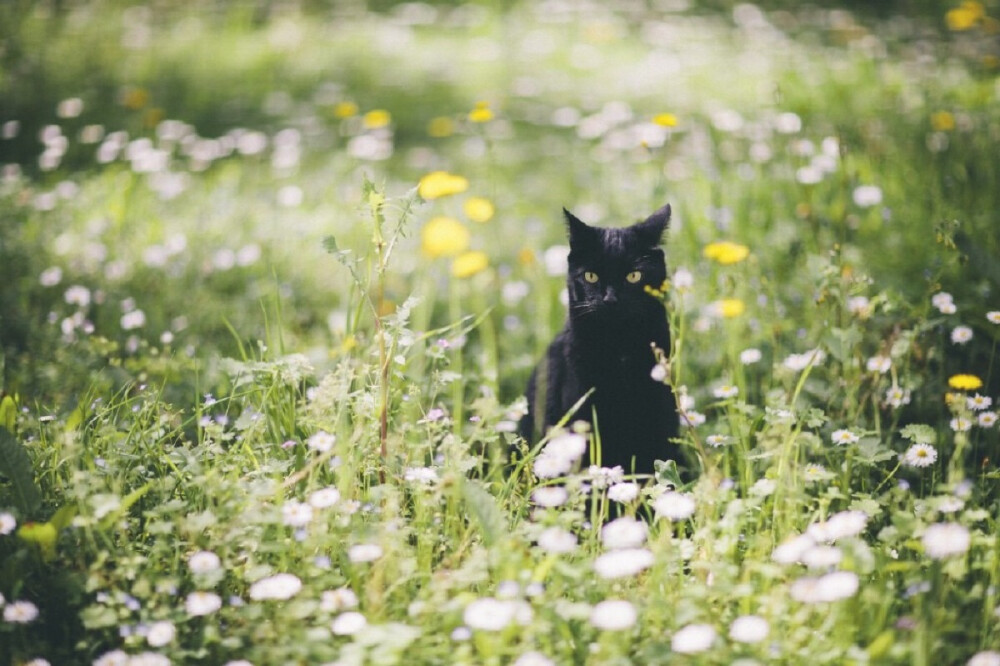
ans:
(634, 277)
(590, 277)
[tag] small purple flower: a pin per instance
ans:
(288, 444)
(435, 414)
(442, 343)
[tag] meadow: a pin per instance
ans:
(273, 277)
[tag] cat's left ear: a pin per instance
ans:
(579, 233)
(652, 229)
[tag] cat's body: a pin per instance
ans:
(606, 346)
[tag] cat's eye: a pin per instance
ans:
(634, 276)
(590, 277)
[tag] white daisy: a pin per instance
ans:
(844, 437)
(204, 561)
(7, 522)
(202, 603)
(715, 441)
(557, 540)
(613, 615)
(840, 525)
(20, 612)
(822, 557)
(693, 638)
(550, 496)
(858, 305)
(322, 441)
(825, 589)
(749, 629)
(160, 633)
(420, 474)
(942, 298)
(623, 492)
(984, 658)
(750, 356)
(602, 477)
(961, 334)
(944, 540)
(960, 424)
(348, 623)
(624, 532)
(977, 402)
(797, 362)
(658, 373)
(692, 418)
(725, 391)
(281, 587)
(334, 601)
(897, 397)
(674, 506)
(296, 514)
(920, 455)
(364, 552)
(986, 419)
(550, 467)
(533, 659)
(879, 364)
(489, 614)
(324, 498)
(113, 658)
(993, 317)
(569, 446)
(622, 563)
(793, 549)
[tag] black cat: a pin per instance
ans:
(606, 345)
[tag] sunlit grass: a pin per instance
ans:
(264, 353)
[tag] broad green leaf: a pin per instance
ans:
(484, 507)
(16, 466)
(919, 433)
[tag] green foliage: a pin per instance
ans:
(249, 451)
(17, 475)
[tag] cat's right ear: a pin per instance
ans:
(579, 232)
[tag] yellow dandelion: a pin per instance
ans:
(441, 127)
(481, 114)
(665, 120)
(730, 308)
(444, 237)
(726, 252)
(135, 98)
(965, 382)
(439, 184)
(468, 264)
(153, 117)
(376, 118)
(942, 121)
(526, 256)
(965, 16)
(479, 209)
(345, 109)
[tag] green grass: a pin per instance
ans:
(288, 292)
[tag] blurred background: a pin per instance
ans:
(169, 169)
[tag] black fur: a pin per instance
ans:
(605, 345)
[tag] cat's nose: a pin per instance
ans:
(609, 296)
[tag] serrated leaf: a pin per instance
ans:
(16, 466)
(919, 433)
(483, 507)
(666, 472)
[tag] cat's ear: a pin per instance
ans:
(651, 230)
(579, 232)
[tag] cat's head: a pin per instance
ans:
(609, 269)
